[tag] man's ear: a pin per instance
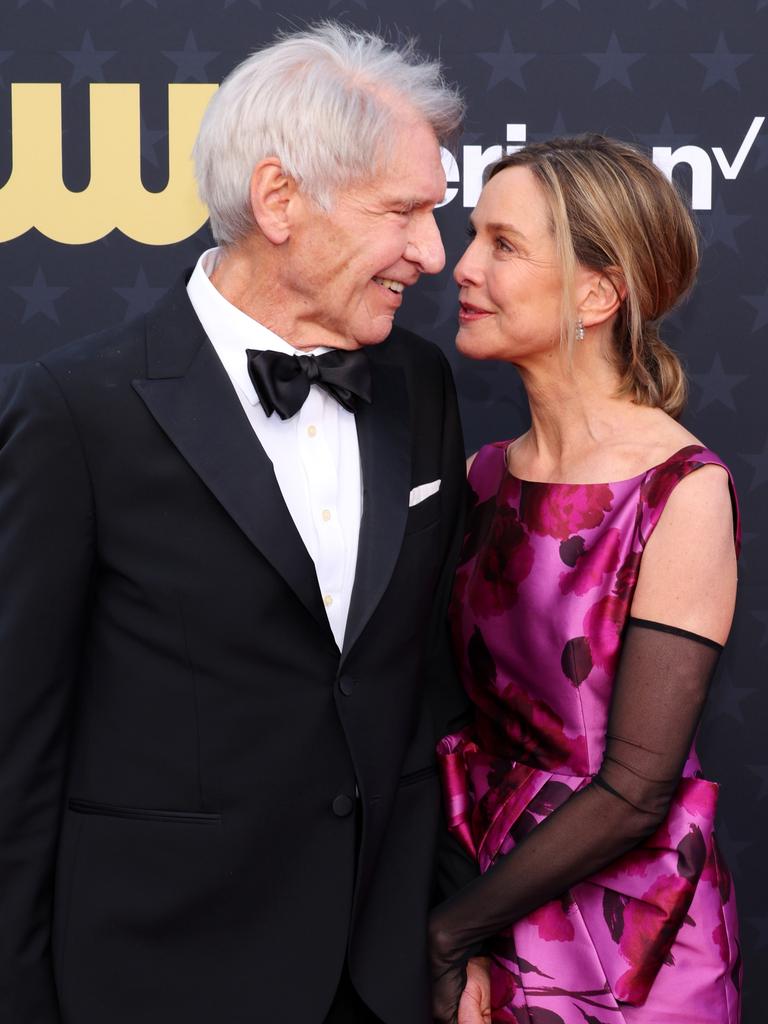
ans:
(599, 295)
(272, 194)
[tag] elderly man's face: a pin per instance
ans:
(348, 269)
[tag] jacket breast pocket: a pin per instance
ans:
(424, 514)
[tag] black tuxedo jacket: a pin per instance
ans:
(180, 738)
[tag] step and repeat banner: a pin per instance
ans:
(99, 104)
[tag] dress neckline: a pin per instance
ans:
(685, 450)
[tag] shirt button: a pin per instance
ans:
(311, 430)
(346, 685)
(326, 515)
(342, 805)
(327, 600)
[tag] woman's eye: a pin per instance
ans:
(503, 245)
(471, 233)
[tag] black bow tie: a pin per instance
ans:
(282, 381)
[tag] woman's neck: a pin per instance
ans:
(580, 425)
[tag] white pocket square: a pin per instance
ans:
(423, 491)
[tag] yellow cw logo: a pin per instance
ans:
(35, 194)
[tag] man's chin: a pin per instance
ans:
(377, 331)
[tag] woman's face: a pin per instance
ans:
(509, 277)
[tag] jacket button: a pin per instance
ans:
(346, 685)
(342, 805)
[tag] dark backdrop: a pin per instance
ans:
(687, 77)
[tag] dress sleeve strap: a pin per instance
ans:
(660, 481)
(488, 469)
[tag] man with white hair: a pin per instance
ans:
(228, 535)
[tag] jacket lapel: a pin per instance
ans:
(384, 439)
(190, 396)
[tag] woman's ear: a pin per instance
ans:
(272, 195)
(599, 295)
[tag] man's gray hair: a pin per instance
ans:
(321, 101)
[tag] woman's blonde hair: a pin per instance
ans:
(614, 211)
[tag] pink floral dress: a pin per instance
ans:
(543, 591)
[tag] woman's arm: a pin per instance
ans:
(688, 572)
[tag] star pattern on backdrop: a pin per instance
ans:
(152, 3)
(465, 3)
(614, 64)
(558, 129)
(759, 462)
(87, 62)
(656, 3)
(728, 697)
(760, 304)
(665, 136)
(506, 63)
(231, 3)
(761, 770)
(720, 226)
(716, 385)
(48, 3)
(721, 65)
(140, 296)
(336, 3)
(571, 3)
(39, 297)
(191, 63)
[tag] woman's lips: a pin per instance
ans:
(469, 313)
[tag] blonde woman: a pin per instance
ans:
(595, 591)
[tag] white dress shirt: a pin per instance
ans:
(314, 454)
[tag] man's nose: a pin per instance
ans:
(425, 246)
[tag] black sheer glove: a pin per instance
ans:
(659, 693)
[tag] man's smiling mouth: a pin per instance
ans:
(394, 286)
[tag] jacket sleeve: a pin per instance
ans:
(451, 708)
(46, 529)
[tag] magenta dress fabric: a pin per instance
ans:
(542, 594)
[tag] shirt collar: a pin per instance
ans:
(230, 330)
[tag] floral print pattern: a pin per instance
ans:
(542, 594)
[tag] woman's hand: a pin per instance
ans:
(448, 984)
(475, 1002)
(449, 975)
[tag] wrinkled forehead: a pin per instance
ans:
(411, 161)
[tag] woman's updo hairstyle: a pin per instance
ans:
(613, 210)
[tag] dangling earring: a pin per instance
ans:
(579, 330)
